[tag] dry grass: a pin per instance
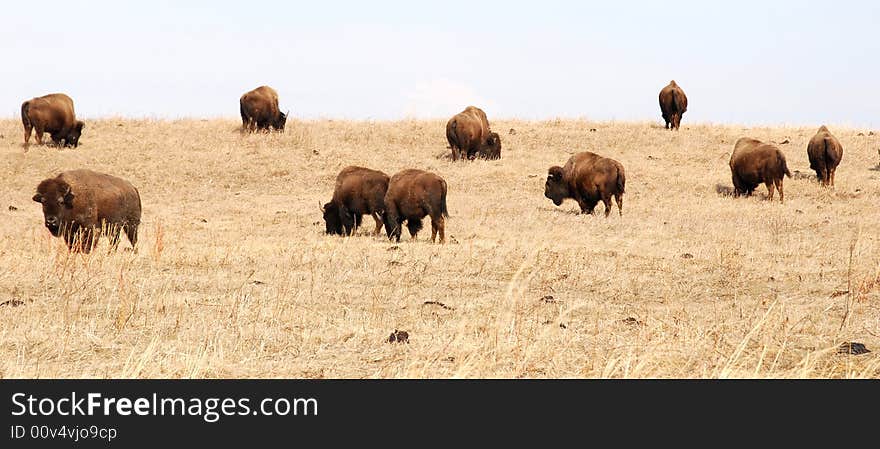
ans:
(234, 278)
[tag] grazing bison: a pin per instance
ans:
(413, 194)
(825, 153)
(754, 162)
(259, 110)
(587, 178)
(673, 103)
(358, 191)
(53, 114)
(468, 132)
(80, 205)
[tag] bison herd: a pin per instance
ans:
(81, 205)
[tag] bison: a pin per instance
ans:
(81, 205)
(54, 114)
(358, 191)
(413, 194)
(587, 178)
(825, 153)
(259, 110)
(754, 162)
(468, 132)
(673, 104)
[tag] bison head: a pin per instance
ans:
(72, 139)
(492, 148)
(280, 121)
(56, 197)
(556, 189)
(332, 219)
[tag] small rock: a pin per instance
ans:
(632, 321)
(315, 152)
(798, 211)
(398, 337)
(563, 326)
(12, 303)
(871, 133)
(12, 208)
(687, 256)
(861, 134)
(393, 248)
(592, 130)
(512, 132)
(785, 142)
(548, 299)
(852, 348)
(203, 220)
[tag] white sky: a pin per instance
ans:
(749, 62)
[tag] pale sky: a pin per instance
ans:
(747, 62)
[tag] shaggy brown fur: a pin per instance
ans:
(587, 178)
(754, 162)
(53, 114)
(673, 104)
(259, 110)
(358, 191)
(825, 153)
(413, 194)
(468, 132)
(81, 205)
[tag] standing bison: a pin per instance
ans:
(81, 205)
(468, 133)
(412, 195)
(825, 153)
(53, 114)
(587, 178)
(259, 110)
(673, 104)
(358, 191)
(754, 162)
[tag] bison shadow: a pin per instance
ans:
(728, 192)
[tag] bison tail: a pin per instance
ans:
(783, 164)
(621, 180)
(443, 210)
(24, 113)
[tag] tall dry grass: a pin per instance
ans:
(233, 276)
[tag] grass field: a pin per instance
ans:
(233, 276)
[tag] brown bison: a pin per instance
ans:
(587, 178)
(468, 132)
(53, 114)
(81, 205)
(754, 162)
(673, 104)
(259, 110)
(413, 194)
(358, 191)
(825, 153)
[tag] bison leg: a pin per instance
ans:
(606, 199)
(619, 198)
(770, 189)
(587, 205)
(414, 225)
(831, 174)
(131, 231)
(38, 136)
(438, 225)
(27, 133)
(781, 194)
(378, 223)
